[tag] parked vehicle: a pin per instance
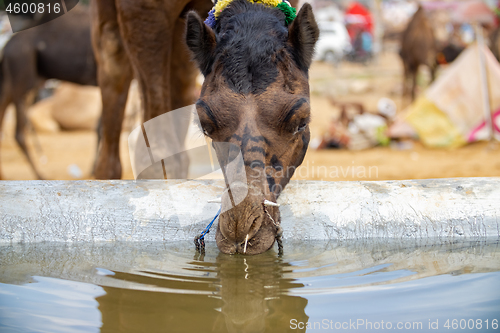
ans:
(333, 43)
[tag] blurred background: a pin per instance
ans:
(366, 122)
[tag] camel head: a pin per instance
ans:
(255, 98)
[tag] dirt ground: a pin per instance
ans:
(70, 155)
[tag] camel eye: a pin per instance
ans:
(207, 130)
(301, 127)
(208, 121)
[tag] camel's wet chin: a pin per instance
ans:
(262, 241)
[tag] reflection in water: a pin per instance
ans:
(254, 293)
(160, 287)
(234, 294)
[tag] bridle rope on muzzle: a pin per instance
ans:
(279, 231)
(199, 241)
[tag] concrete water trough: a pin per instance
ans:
(155, 210)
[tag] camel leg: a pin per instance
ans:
(18, 81)
(114, 76)
(99, 138)
(406, 86)
(4, 103)
(151, 57)
(150, 53)
(433, 69)
(413, 82)
(21, 126)
(405, 79)
(182, 84)
(183, 76)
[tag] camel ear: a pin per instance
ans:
(303, 34)
(200, 39)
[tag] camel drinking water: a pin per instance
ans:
(255, 58)
(256, 97)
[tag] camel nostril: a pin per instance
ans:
(255, 226)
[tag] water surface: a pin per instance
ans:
(361, 286)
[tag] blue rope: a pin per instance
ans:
(207, 229)
(199, 241)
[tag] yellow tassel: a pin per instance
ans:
(272, 3)
(222, 4)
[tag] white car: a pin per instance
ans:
(333, 43)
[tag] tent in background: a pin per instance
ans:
(450, 113)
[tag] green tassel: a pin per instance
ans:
(290, 12)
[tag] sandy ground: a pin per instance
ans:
(62, 151)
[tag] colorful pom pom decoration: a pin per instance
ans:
(283, 5)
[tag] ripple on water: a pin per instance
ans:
(151, 286)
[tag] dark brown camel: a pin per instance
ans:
(256, 97)
(418, 47)
(255, 94)
(60, 49)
